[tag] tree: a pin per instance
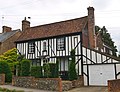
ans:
(72, 71)
(10, 57)
(106, 38)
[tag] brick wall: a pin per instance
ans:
(9, 43)
(54, 84)
(114, 85)
(79, 82)
(91, 27)
(2, 79)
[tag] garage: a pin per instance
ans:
(98, 68)
(99, 74)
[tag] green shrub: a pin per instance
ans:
(57, 69)
(52, 70)
(72, 71)
(36, 71)
(47, 72)
(25, 67)
(5, 68)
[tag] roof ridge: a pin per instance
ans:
(59, 22)
(54, 29)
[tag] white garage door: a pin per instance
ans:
(99, 74)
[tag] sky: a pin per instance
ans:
(107, 13)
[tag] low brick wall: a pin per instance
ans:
(67, 85)
(114, 85)
(79, 82)
(26, 82)
(53, 84)
(2, 79)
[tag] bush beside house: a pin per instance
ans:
(25, 67)
(5, 69)
(72, 71)
(36, 71)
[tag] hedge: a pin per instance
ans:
(36, 71)
(5, 68)
(25, 67)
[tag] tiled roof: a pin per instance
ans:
(53, 29)
(6, 35)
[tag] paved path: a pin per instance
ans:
(90, 89)
(23, 89)
(81, 89)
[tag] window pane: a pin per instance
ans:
(60, 43)
(44, 45)
(31, 47)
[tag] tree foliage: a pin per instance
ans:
(106, 38)
(10, 57)
(5, 69)
(47, 72)
(72, 71)
(25, 67)
(36, 71)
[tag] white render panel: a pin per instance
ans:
(88, 56)
(99, 74)
(98, 58)
(70, 47)
(67, 44)
(79, 65)
(118, 70)
(85, 77)
(66, 64)
(93, 56)
(84, 51)
(104, 57)
(50, 47)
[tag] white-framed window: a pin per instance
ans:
(31, 47)
(61, 43)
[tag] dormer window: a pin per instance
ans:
(61, 43)
(31, 47)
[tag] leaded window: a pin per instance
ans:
(31, 47)
(61, 44)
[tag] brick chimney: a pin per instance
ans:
(91, 27)
(6, 29)
(25, 24)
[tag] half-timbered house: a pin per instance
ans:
(56, 40)
(49, 42)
